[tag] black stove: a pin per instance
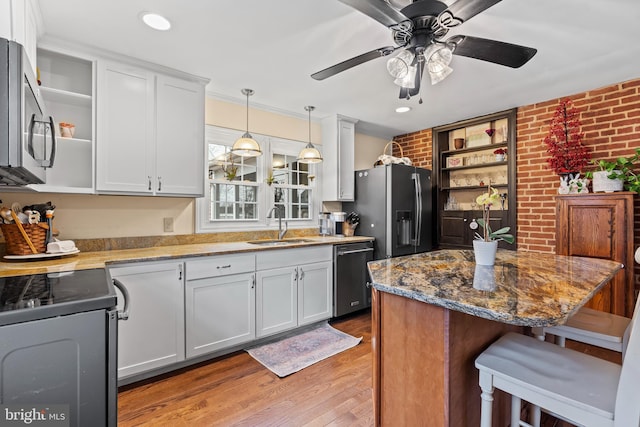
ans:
(40, 296)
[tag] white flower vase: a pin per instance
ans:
(485, 252)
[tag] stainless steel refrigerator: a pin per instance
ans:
(394, 203)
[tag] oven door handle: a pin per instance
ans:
(124, 314)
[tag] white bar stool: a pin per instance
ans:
(576, 387)
(592, 327)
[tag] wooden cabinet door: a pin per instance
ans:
(454, 229)
(600, 226)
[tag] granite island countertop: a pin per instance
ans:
(101, 259)
(523, 288)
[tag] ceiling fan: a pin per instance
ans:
(418, 31)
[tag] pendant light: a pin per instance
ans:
(309, 154)
(246, 146)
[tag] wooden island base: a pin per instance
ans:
(423, 364)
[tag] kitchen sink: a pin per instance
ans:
(276, 242)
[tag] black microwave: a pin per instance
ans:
(27, 136)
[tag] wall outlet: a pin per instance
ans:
(168, 224)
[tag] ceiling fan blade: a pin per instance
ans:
(507, 54)
(379, 10)
(349, 63)
(463, 10)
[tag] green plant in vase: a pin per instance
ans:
(624, 169)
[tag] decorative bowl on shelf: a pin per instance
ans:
(67, 130)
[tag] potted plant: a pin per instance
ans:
(567, 155)
(617, 175)
(486, 245)
(500, 154)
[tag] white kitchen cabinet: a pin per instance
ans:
(180, 162)
(315, 292)
(19, 22)
(276, 300)
(289, 293)
(126, 104)
(338, 141)
(150, 132)
(220, 302)
(153, 336)
(67, 89)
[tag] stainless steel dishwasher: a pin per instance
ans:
(351, 288)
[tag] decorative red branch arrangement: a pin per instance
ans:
(564, 142)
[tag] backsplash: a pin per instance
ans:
(116, 243)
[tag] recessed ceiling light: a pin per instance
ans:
(403, 109)
(155, 21)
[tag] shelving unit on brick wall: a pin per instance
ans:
(467, 157)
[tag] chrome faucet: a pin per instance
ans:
(278, 213)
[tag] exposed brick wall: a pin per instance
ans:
(610, 119)
(417, 146)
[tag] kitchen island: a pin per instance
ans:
(434, 312)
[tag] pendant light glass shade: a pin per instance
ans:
(246, 146)
(309, 154)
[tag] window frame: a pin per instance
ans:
(265, 197)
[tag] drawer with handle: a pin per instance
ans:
(219, 265)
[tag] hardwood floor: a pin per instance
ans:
(238, 391)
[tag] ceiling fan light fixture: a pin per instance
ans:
(246, 146)
(408, 81)
(309, 154)
(440, 75)
(438, 63)
(399, 65)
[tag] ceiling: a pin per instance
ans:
(274, 46)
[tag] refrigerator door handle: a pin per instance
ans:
(418, 198)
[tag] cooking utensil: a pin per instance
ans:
(24, 233)
(353, 218)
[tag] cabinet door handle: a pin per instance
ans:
(253, 281)
(301, 274)
(223, 266)
(159, 183)
(180, 272)
(149, 178)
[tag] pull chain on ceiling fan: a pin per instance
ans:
(418, 30)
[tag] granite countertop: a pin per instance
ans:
(100, 259)
(523, 288)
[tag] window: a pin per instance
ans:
(291, 186)
(232, 185)
(241, 191)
